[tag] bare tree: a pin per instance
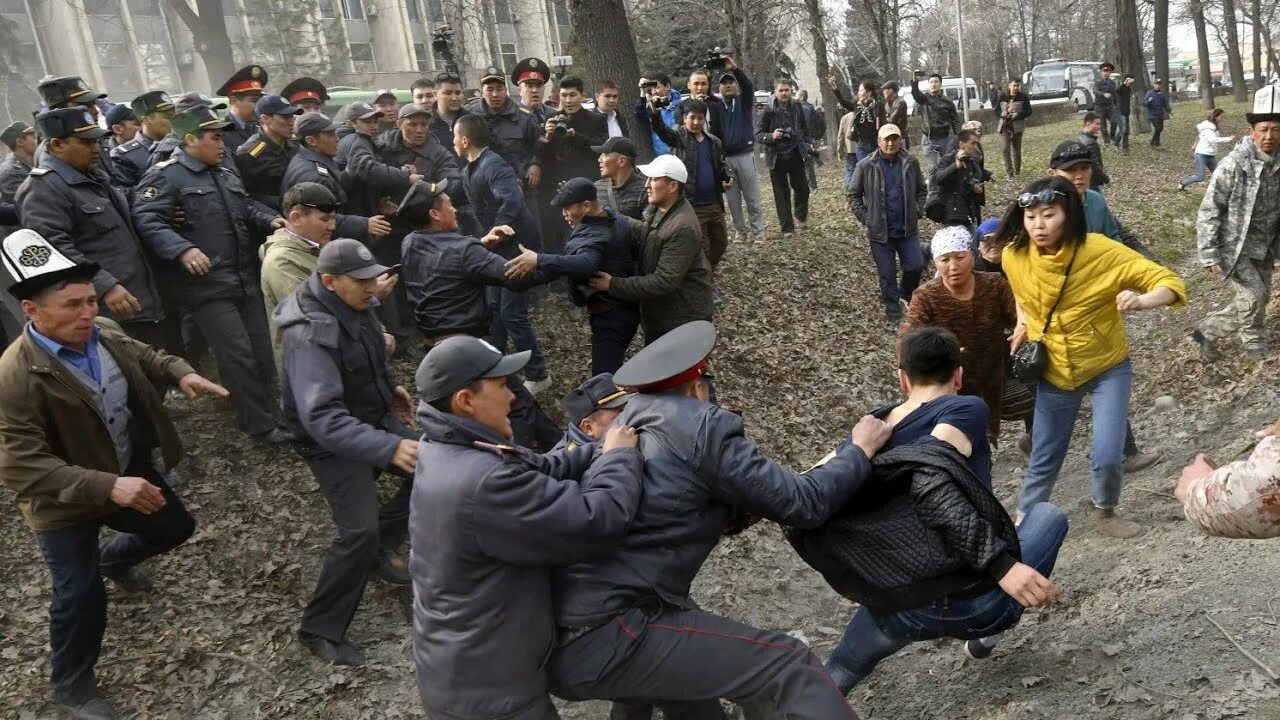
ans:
(209, 32)
(1160, 41)
(1129, 55)
(1205, 77)
(1239, 90)
(606, 49)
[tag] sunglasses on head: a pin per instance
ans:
(324, 208)
(1047, 195)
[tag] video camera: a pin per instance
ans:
(716, 58)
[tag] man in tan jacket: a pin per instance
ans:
(79, 417)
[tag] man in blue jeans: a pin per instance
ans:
(988, 597)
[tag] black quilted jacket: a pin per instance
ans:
(922, 528)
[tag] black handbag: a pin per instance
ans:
(1031, 359)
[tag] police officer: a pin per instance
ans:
(628, 628)
(621, 187)
(591, 409)
(263, 158)
(81, 417)
(600, 241)
(70, 202)
(243, 90)
(20, 138)
(123, 124)
(188, 102)
(445, 277)
(513, 129)
(349, 413)
(306, 93)
(155, 111)
(210, 260)
(314, 162)
(530, 75)
(71, 91)
(373, 182)
(489, 520)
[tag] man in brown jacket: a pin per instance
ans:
(672, 283)
(79, 417)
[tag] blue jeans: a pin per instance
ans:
(78, 610)
(1056, 412)
(872, 637)
(511, 320)
(862, 151)
(886, 256)
(1121, 129)
(850, 162)
(1205, 165)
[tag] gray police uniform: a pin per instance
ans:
(371, 179)
(12, 172)
(311, 166)
(88, 219)
(105, 163)
(513, 133)
(226, 304)
(337, 390)
(133, 158)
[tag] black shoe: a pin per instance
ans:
(94, 709)
(1206, 346)
(131, 580)
(275, 436)
(976, 650)
(392, 568)
(338, 653)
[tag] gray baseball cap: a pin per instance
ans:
(345, 256)
(313, 123)
(412, 109)
(456, 362)
(362, 111)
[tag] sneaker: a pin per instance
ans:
(977, 649)
(1206, 346)
(338, 653)
(1106, 522)
(1140, 461)
(788, 235)
(536, 386)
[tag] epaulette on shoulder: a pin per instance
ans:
(166, 163)
(256, 150)
(39, 171)
(525, 110)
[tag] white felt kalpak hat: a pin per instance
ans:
(1266, 106)
(33, 264)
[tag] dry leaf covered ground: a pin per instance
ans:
(804, 353)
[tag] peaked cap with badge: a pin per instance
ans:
(14, 131)
(33, 264)
(152, 102)
(303, 89)
(530, 69)
(65, 122)
(598, 393)
(672, 360)
(248, 79)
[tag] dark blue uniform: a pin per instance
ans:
(133, 159)
(262, 164)
(311, 166)
(370, 178)
(513, 133)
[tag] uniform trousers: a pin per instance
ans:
(787, 178)
(511, 321)
(364, 527)
(78, 610)
(237, 333)
(686, 659)
(1247, 311)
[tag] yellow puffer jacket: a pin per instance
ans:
(1087, 335)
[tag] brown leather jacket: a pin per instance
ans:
(55, 451)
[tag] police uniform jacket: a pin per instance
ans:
(220, 219)
(262, 165)
(88, 219)
(311, 166)
(371, 179)
(699, 470)
(133, 158)
(565, 157)
(596, 244)
(433, 162)
(163, 150)
(13, 170)
(445, 275)
(239, 134)
(336, 386)
(494, 190)
(513, 133)
(486, 523)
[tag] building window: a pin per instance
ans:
(502, 9)
(435, 11)
(157, 65)
(411, 7)
(422, 55)
(508, 55)
(362, 58)
(327, 9)
(112, 55)
(353, 9)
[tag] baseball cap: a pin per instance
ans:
(616, 144)
(456, 362)
(193, 99)
(379, 94)
(887, 130)
(345, 256)
(598, 393)
(65, 122)
(1069, 153)
(668, 166)
(575, 190)
(412, 109)
(988, 227)
(313, 123)
(727, 78)
(275, 105)
(362, 111)
(312, 195)
(119, 113)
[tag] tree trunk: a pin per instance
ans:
(1239, 90)
(820, 52)
(1259, 78)
(1205, 76)
(1161, 40)
(209, 29)
(606, 48)
(1129, 55)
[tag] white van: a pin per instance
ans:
(950, 88)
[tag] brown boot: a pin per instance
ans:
(1106, 522)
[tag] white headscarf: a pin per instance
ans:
(950, 239)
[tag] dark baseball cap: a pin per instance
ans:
(412, 109)
(598, 393)
(312, 195)
(616, 144)
(379, 94)
(65, 122)
(345, 256)
(421, 197)
(15, 130)
(313, 123)
(120, 113)
(275, 105)
(1069, 153)
(456, 362)
(727, 78)
(362, 111)
(575, 190)
(190, 100)
(197, 120)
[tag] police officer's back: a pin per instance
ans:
(315, 162)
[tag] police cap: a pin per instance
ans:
(120, 113)
(305, 88)
(275, 105)
(421, 197)
(456, 362)
(65, 122)
(530, 69)
(59, 91)
(575, 190)
(16, 130)
(152, 102)
(198, 120)
(598, 393)
(248, 80)
(493, 74)
(670, 361)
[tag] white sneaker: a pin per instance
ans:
(536, 386)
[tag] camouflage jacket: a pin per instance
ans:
(1242, 499)
(1231, 204)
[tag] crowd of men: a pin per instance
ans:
(298, 254)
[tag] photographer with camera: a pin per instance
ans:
(657, 92)
(565, 151)
(732, 119)
(782, 131)
(957, 194)
(941, 121)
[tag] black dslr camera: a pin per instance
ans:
(716, 58)
(561, 124)
(785, 134)
(659, 101)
